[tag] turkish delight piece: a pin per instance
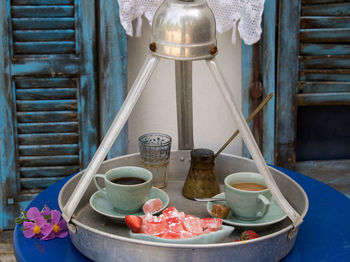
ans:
(170, 212)
(209, 230)
(174, 224)
(193, 225)
(186, 234)
(213, 223)
(172, 235)
(154, 228)
(152, 205)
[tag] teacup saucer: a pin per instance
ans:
(102, 206)
(274, 215)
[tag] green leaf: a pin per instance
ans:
(43, 208)
(18, 220)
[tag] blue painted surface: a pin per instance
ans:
(314, 49)
(268, 67)
(53, 250)
(267, 74)
(113, 72)
(287, 82)
(7, 128)
(323, 236)
(247, 79)
(324, 99)
(48, 96)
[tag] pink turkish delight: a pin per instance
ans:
(172, 224)
(212, 223)
(152, 205)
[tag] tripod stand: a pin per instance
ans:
(183, 31)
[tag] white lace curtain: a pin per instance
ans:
(245, 15)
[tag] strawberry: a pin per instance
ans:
(249, 234)
(134, 223)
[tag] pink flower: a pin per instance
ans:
(59, 227)
(39, 227)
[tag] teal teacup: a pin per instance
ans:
(247, 195)
(126, 188)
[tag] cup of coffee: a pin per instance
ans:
(127, 188)
(247, 195)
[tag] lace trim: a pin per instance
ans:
(244, 15)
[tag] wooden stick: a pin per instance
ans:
(252, 115)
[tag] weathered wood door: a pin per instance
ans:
(48, 96)
(313, 120)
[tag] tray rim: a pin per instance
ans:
(76, 222)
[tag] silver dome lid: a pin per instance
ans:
(184, 30)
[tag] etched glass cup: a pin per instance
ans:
(155, 153)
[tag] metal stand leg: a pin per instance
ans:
(183, 75)
(251, 144)
(111, 135)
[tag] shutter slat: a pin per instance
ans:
(324, 49)
(29, 82)
(35, 183)
(323, 87)
(56, 116)
(48, 139)
(42, 2)
(324, 22)
(60, 47)
(43, 35)
(332, 9)
(323, 99)
(335, 75)
(53, 127)
(65, 64)
(46, 105)
(42, 23)
(46, 93)
(324, 62)
(48, 160)
(48, 150)
(341, 35)
(42, 11)
(47, 171)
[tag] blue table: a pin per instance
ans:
(323, 236)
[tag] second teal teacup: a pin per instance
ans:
(126, 188)
(247, 195)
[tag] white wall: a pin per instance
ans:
(156, 109)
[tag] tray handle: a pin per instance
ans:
(251, 144)
(111, 135)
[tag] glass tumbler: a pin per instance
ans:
(155, 153)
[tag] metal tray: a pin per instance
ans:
(101, 239)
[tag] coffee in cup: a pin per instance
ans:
(126, 188)
(249, 186)
(247, 195)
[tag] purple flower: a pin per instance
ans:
(37, 226)
(59, 227)
(45, 211)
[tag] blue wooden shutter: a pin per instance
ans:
(314, 40)
(48, 96)
(324, 53)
